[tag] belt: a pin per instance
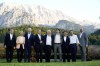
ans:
(72, 43)
(57, 43)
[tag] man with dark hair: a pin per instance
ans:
(10, 43)
(83, 39)
(38, 46)
(65, 47)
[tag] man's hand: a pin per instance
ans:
(5, 46)
(40, 41)
(86, 46)
(78, 44)
(14, 47)
(32, 47)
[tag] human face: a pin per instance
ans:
(65, 33)
(81, 30)
(12, 31)
(39, 32)
(71, 32)
(29, 30)
(57, 31)
(48, 32)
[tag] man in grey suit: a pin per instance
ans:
(83, 39)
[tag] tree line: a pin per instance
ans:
(94, 38)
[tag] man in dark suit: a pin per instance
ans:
(9, 43)
(48, 41)
(65, 47)
(38, 46)
(29, 43)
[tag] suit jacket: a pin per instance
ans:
(8, 42)
(45, 37)
(67, 41)
(37, 40)
(83, 39)
(20, 41)
(29, 42)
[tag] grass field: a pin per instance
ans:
(78, 63)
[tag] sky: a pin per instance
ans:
(78, 9)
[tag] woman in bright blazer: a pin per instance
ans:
(20, 46)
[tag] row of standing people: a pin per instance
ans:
(63, 44)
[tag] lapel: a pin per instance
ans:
(82, 35)
(66, 38)
(30, 36)
(9, 36)
(39, 38)
(45, 37)
(63, 38)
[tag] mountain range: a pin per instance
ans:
(13, 15)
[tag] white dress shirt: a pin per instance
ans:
(11, 36)
(29, 34)
(65, 38)
(74, 39)
(81, 34)
(39, 36)
(57, 38)
(48, 40)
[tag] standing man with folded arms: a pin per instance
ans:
(38, 46)
(57, 46)
(29, 43)
(48, 41)
(10, 43)
(73, 45)
(83, 39)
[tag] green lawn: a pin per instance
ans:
(78, 63)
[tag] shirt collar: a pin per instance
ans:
(29, 33)
(81, 32)
(11, 34)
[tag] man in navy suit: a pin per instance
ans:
(9, 43)
(65, 47)
(48, 41)
(38, 46)
(29, 43)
